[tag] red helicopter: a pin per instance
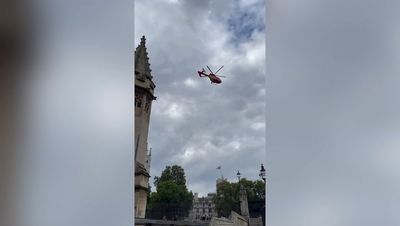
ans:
(214, 78)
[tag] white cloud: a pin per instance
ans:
(188, 154)
(262, 92)
(258, 126)
(175, 111)
(190, 83)
(173, 1)
(235, 145)
(246, 3)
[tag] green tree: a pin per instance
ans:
(172, 198)
(174, 173)
(149, 202)
(227, 197)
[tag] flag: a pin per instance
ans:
(219, 167)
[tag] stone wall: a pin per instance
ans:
(238, 220)
(234, 220)
(218, 221)
(258, 221)
(140, 203)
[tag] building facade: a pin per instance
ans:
(203, 208)
(144, 95)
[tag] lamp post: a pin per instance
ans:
(262, 175)
(262, 172)
(243, 203)
(240, 190)
(238, 176)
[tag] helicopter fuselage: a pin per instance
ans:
(213, 78)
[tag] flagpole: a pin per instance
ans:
(219, 168)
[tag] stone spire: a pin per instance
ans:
(142, 65)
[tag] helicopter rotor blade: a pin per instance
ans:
(219, 69)
(221, 76)
(210, 69)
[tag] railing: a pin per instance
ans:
(151, 222)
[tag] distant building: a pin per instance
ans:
(203, 208)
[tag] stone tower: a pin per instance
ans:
(144, 95)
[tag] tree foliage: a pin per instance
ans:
(174, 173)
(227, 197)
(172, 198)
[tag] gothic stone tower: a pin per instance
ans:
(144, 95)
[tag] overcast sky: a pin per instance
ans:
(193, 123)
